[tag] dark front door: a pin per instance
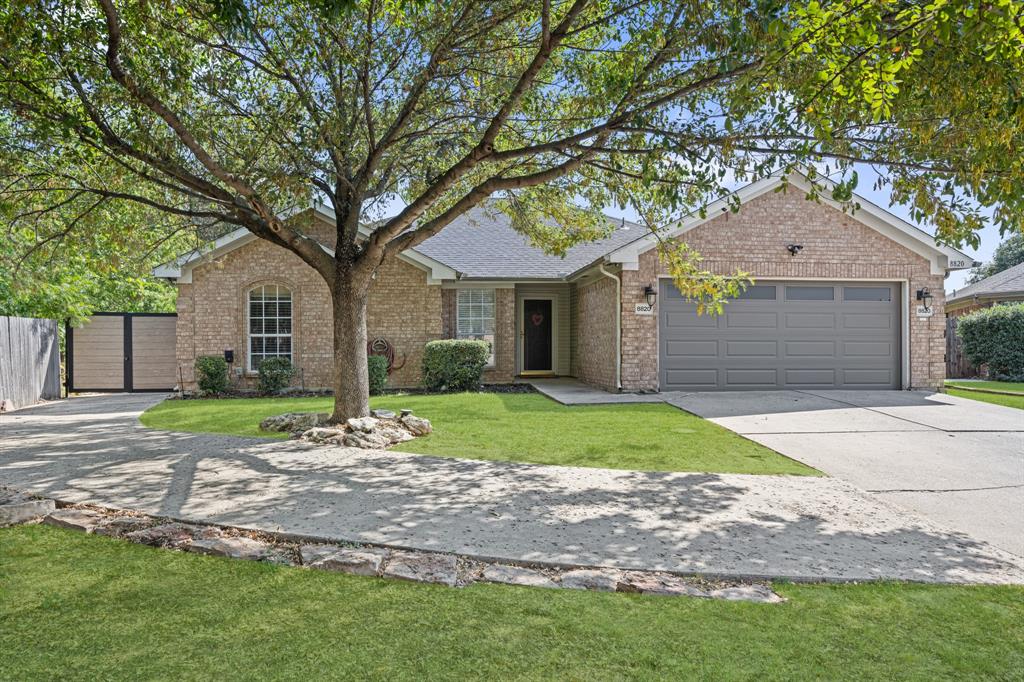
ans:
(537, 335)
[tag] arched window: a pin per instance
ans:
(270, 324)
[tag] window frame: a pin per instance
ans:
(492, 360)
(279, 288)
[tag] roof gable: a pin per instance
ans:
(942, 258)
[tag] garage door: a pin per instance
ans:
(783, 335)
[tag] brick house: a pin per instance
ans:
(835, 302)
(1003, 287)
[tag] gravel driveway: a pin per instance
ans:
(93, 449)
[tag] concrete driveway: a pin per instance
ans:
(956, 461)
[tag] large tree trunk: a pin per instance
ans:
(351, 379)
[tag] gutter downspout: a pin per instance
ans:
(618, 326)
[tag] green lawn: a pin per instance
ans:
(80, 607)
(522, 428)
(1010, 386)
(1007, 400)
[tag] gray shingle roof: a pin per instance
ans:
(1009, 281)
(481, 243)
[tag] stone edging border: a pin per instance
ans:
(451, 570)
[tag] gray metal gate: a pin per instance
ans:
(122, 352)
(783, 335)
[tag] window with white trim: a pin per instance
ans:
(270, 324)
(474, 314)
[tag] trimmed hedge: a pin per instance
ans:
(454, 364)
(274, 374)
(995, 337)
(378, 368)
(212, 373)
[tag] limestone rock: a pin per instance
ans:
(358, 561)
(382, 414)
(121, 525)
(364, 424)
(75, 519)
(394, 434)
(442, 569)
(664, 585)
(602, 580)
(165, 535)
(16, 509)
(405, 412)
(320, 434)
(516, 575)
(418, 426)
(238, 548)
(754, 593)
(294, 421)
(373, 440)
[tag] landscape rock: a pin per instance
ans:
(382, 414)
(165, 535)
(358, 561)
(22, 508)
(360, 439)
(76, 519)
(364, 424)
(294, 421)
(755, 593)
(320, 434)
(418, 426)
(442, 569)
(238, 548)
(591, 579)
(664, 585)
(406, 412)
(516, 575)
(394, 434)
(121, 525)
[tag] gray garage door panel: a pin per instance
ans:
(783, 335)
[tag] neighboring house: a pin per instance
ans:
(842, 312)
(1003, 287)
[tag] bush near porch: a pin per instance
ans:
(518, 427)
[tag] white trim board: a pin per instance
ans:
(942, 258)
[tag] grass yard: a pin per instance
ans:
(994, 398)
(1009, 386)
(519, 427)
(82, 607)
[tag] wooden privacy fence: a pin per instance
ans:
(957, 364)
(122, 352)
(29, 361)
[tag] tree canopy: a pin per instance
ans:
(232, 113)
(1009, 253)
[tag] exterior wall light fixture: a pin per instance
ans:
(925, 297)
(650, 295)
(794, 248)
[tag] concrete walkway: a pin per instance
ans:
(956, 461)
(569, 391)
(94, 450)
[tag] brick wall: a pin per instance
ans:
(504, 369)
(403, 308)
(595, 335)
(836, 246)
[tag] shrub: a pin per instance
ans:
(995, 337)
(274, 374)
(454, 364)
(212, 373)
(378, 366)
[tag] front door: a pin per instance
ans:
(537, 335)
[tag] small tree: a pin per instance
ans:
(1009, 253)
